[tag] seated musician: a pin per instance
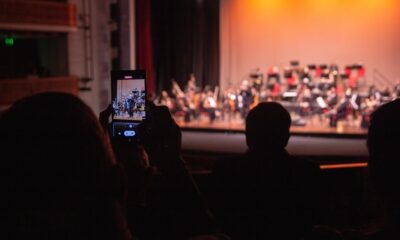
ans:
(396, 90)
(331, 97)
(256, 98)
(191, 84)
(368, 106)
(272, 77)
(276, 91)
(210, 105)
(258, 78)
(305, 76)
(139, 105)
(182, 106)
(291, 80)
(182, 103)
(229, 100)
(325, 80)
(304, 98)
(245, 99)
(129, 105)
(343, 110)
(193, 99)
(166, 100)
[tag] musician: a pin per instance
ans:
(210, 105)
(229, 100)
(386, 93)
(291, 79)
(373, 91)
(258, 79)
(345, 108)
(255, 98)
(182, 105)
(272, 77)
(191, 84)
(325, 80)
(368, 106)
(129, 104)
(245, 99)
(193, 100)
(321, 106)
(396, 89)
(165, 100)
(305, 76)
(122, 106)
(305, 95)
(304, 98)
(139, 103)
(331, 97)
(333, 67)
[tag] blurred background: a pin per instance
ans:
(71, 46)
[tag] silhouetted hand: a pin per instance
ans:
(104, 117)
(161, 138)
(132, 154)
(159, 135)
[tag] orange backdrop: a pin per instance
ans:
(260, 33)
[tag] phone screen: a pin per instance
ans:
(128, 102)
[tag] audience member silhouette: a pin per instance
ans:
(60, 179)
(265, 193)
(163, 199)
(384, 165)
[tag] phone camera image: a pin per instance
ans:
(130, 101)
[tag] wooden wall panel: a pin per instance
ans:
(41, 13)
(14, 89)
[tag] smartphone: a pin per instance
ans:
(128, 94)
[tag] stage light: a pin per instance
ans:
(9, 41)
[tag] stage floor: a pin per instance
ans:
(313, 126)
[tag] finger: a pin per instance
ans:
(105, 115)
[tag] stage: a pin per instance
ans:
(314, 125)
(199, 141)
(314, 139)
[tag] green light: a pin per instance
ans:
(9, 41)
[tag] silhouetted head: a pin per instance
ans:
(267, 127)
(384, 146)
(60, 178)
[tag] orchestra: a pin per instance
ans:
(321, 90)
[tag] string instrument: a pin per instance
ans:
(256, 101)
(216, 91)
(232, 103)
(193, 99)
(215, 96)
(176, 87)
